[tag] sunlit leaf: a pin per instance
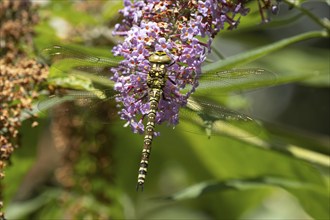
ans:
(318, 196)
(249, 56)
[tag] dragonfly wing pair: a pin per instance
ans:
(214, 120)
(234, 80)
(87, 102)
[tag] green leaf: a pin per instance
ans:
(250, 56)
(246, 127)
(241, 159)
(317, 205)
(200, 189)
(322, 22)
(307, 140)
(20, 210)
(310, 67)
(215, 81)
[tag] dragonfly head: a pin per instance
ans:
(160, 57)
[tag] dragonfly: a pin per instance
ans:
(212, 117)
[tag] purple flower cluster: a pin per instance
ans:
(184, 30)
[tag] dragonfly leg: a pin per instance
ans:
(172, 81)
(142, 97)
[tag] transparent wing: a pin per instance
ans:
(86, 104)
(214, 119)
(66, 59)
(211, 119)
(235, 80)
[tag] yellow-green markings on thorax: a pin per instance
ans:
(156, 80)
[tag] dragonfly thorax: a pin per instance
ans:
(157, 75)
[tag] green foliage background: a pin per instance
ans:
(277, 174)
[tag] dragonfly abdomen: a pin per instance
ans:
(156, 81)
(154, 97)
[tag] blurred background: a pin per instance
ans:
(73, 166)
